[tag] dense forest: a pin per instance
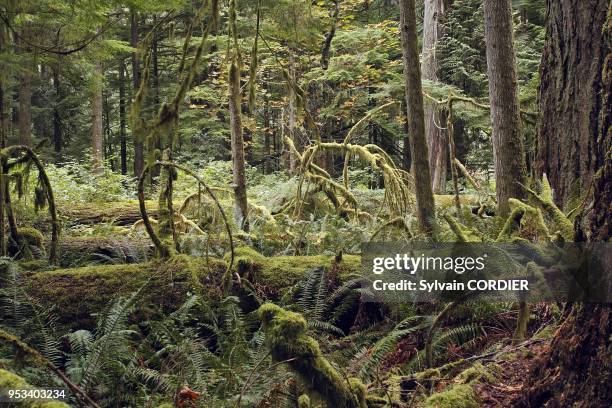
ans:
(186, 187)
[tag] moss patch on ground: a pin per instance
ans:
(457, 396)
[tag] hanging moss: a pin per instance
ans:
(287, 339)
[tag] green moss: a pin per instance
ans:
(303, 401)
(10, 380)
(287, 339)
(76, 293)
(476, 373)
(31, 236)
(34, 265)
(457, 396)
(428, 374)
(546, 333)
(445, 201)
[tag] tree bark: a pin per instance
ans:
(330, 35)
(138, 144)
(122, 118)
(436, 137)
(415, 116)
(3, 85)
(237, 140)
(57, 120)
(569, 96)
(576, 371)
(508, 150)
(97, 129)
(25, 101)
(267, 136)
(291, 118)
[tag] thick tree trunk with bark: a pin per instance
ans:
(436, 137)
(415, 116)
(576, 372)
(97, 128)
(138, 144)
(508, 149)
(570, 96)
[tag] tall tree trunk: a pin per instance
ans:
(25, 103)
(576, 371)
(237, 140)
(57, 120)
(122, 118)
(330, 35)
(415, 117)
(267, 133)
(97, 129)
(436, 137)
(569, 97)
(508, 150)
(291, 118)
(155, 171)
(138, 144)
(3, 85)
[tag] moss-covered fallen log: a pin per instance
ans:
(77, 293)
(119, 212)
(276, 273)
(80, 251)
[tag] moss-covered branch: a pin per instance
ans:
(287, 339)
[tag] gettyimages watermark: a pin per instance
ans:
(426, 272)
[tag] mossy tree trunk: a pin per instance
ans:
(415, 117)
(237, 139)
(576, 371)
(508, 149)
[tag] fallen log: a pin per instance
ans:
(82, 251)
(119, 213)
(77, 294)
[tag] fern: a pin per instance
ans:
(372, 357)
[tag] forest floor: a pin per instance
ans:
(511, 377)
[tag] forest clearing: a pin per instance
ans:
(234, 203)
